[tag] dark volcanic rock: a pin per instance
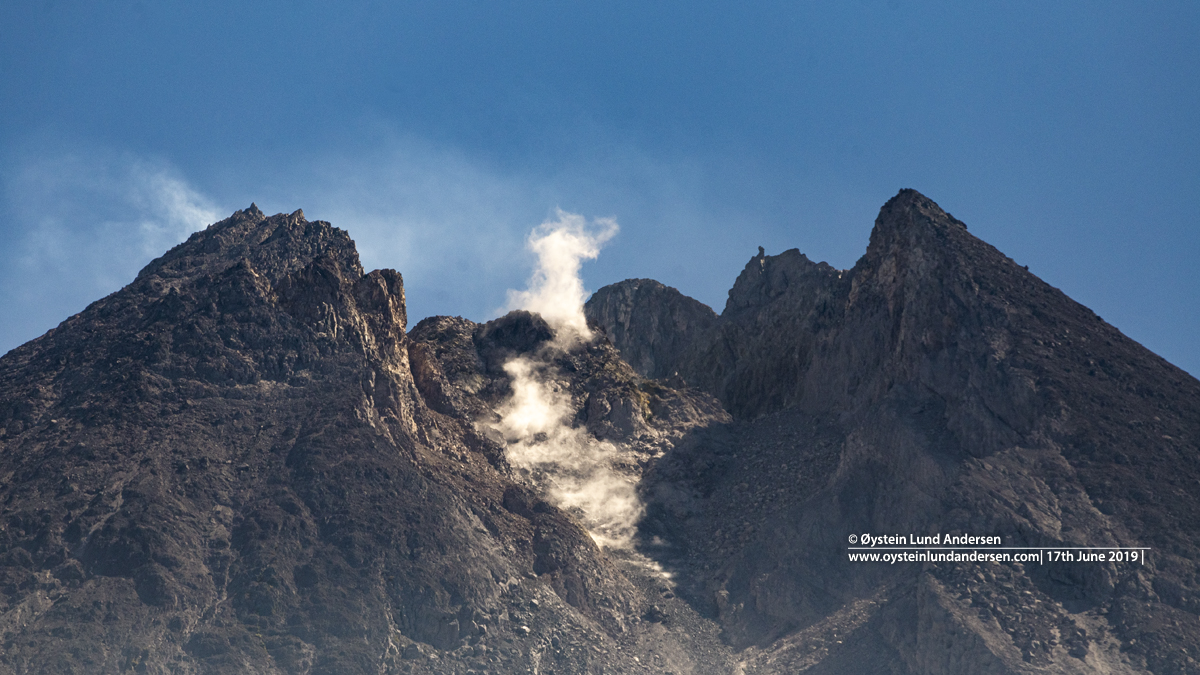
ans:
(242, 463)
(936, 387)
(651, 321)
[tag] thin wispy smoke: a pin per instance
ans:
(556, 291)
(108, 214)
(83, 223)
(425, 210)
(170, 209)
(536, 420)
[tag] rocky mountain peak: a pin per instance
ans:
(274, 246)
(909, 209)
(767, 277)
(917, 245)
(661, 315)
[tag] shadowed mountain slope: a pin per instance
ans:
(936, 387)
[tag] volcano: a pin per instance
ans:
(246, 461)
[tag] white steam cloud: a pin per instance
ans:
(536, 420)
(556, 291)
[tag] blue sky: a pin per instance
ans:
(439, 133)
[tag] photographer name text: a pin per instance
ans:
(940, 539)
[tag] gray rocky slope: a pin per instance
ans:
(244, 462)
(936, 387)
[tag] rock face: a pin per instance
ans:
(936, 387)
(651, 320)
(245, 462)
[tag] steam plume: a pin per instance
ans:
(555, 290)
(536, 419)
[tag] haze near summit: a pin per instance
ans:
(437, 134)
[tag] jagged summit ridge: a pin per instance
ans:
(273, 246)
(920, 277)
